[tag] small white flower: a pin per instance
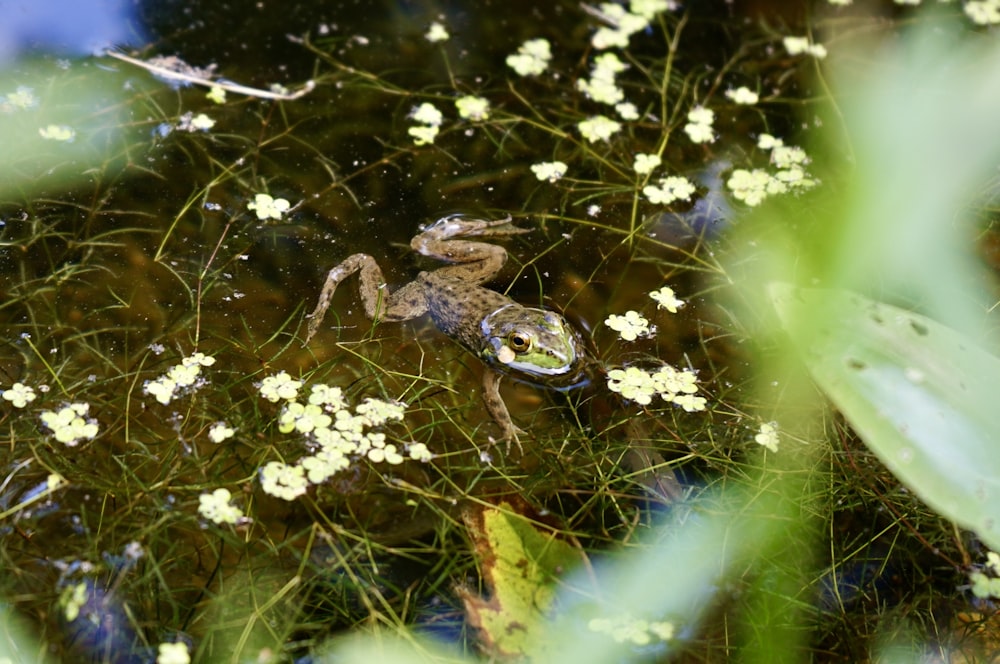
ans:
(549, 170)
(436, 33)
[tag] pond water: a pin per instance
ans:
(149, 222)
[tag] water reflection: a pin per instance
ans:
(65, 27)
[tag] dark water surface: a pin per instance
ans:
(132, 247)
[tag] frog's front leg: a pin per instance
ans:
(406, 303)
(498, 409)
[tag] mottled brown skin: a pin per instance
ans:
(536, 345)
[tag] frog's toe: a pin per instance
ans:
(513, 435)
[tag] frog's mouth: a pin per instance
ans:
(534, 343)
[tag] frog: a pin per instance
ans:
(535, 345)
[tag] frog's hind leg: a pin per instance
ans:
(471, 260)
(408, 302)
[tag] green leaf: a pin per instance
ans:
(521, 567)
(921, 395)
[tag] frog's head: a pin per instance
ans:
(536, 345)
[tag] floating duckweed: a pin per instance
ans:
(173, 653)
(377, 411)
(220, 431)
(419, 452)
(532, 57)
(179, 377)
(627, 111)
(71, 599)
(335, 436)
(549, 170)
(754, 186)
(598, 128)
(216, 95)
(629, 326)
(54, 132)
(699, 126)
(69, 425)
(987, 585)
(436, 33)
(601, 86)
(672, 385)
(325, 395)
(21, 99)
(768, 436)
(623, 22)
(632, 383)
(801, 45)
(215, 507)
(983, 12)
(743, 95)
(268, 207)
(669, 189)
(427, 113)
(19, 395)
(667, 299)
(471, 107)
(279, 386)
(430, 119)
(303, 418)
(282, 480)
(631, 629)
(646, 163)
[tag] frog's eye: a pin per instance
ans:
(519, 342)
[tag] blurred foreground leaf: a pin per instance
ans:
(59, 122)
(920, 394)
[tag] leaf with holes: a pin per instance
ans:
(920, 394)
